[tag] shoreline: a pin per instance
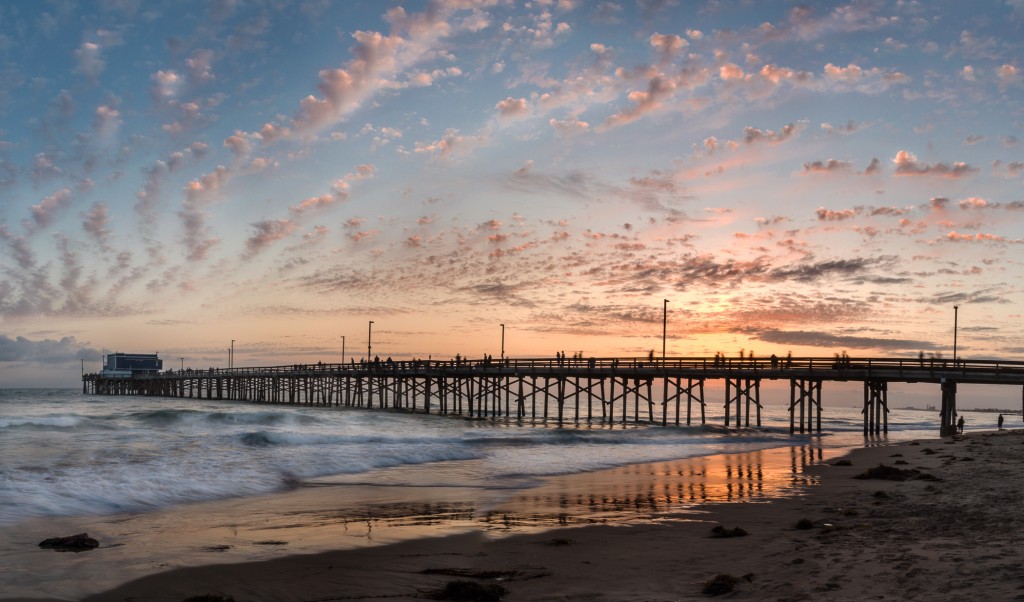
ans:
(403, 504)
(891, 540)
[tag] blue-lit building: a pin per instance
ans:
(130, 364)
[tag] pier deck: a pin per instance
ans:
(610, 390)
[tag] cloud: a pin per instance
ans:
(44, 168)
(978, 237)
(96, 222)
(198, 193)
(339, 191)
(831, 165)
(512, 107)
(452, 143)
(200, 66)
(166, 85)
(848, 128)
(44, 212)
(753, 135)
(268, 232)
(107, 121)
(827, 215)
(831, 341)
(907, 164)
(23, 254)
(239, 145)
(668, 45)
(89, 60)
(869, 81)
(730, 71)
(643, 101)
(810, 272)
(569, 127)
(46, 351)
(148, 197)
(377, 62)
(1008, 74)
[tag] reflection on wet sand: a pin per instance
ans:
(404, 503)
(637, 492)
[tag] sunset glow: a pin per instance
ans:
(178, 175)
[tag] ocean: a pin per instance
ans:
(165, 483)
(63, 453)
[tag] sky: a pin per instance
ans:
(793, 178)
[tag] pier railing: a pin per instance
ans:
(829, 368)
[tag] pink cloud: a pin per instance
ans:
(668, 45)
(907, 164)
(569, 127)
(752, 134)
(44, 212)
(827, 215)
(512, 107)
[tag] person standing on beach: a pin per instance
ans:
(1000, 422)
(960, 425)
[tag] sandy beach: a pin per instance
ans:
(951, 530)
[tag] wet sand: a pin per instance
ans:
(638, 533)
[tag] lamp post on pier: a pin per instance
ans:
(231, 358)
(664, 329)
(369, 344)
(182, 363)
(343, 349)
(502, 342)
(956, 309)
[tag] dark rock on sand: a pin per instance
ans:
(890, 473)
(468, 591)
(72, 543)
(720, 584)
(721, 531)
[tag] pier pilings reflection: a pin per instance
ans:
(654, 491)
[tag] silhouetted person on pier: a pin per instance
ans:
(775, 361)
(960, 425)
(1000, 422)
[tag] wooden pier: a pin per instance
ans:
(605, 390)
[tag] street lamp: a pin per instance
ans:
(956, 309)
(231, 358)
(503, 342)
(369, 339)
(342, 349)
(664, 329)
(182, 363)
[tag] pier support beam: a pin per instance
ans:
(741, 390)
(876, 407)
(805, 394)
(947, 416)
